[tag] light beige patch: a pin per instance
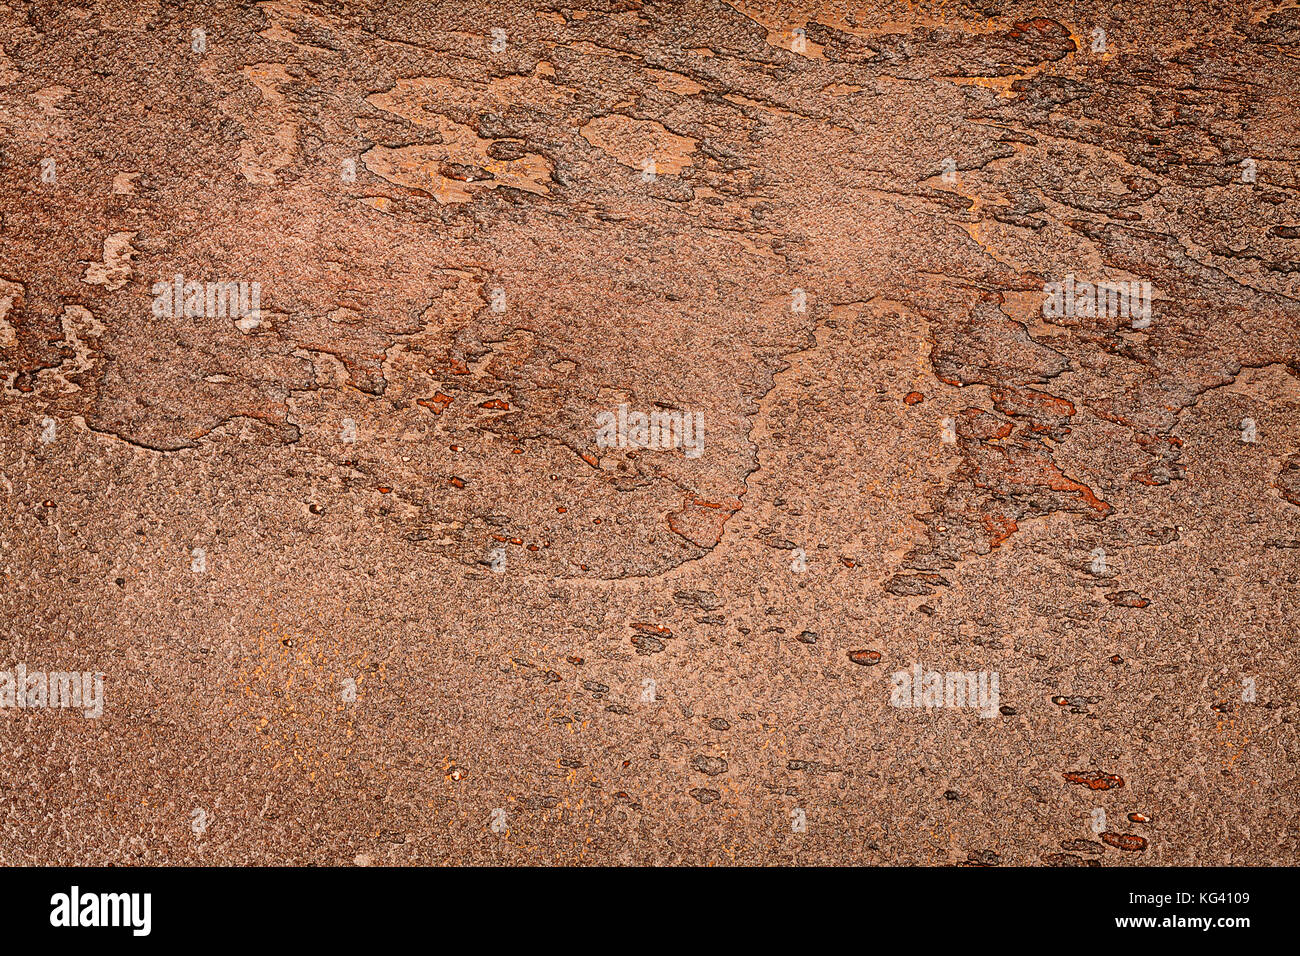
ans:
(48, 99)
(671, 82)
(115, 271)
(1271, 386)
(631, 141)
(429, 168)
(259, 163)
(78, 324)
(10, 293)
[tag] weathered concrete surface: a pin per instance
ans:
(182, 512)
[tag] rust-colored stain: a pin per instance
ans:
(1125, 841)
(1093, 780)
(438, 404)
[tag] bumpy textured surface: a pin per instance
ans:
(365, 588)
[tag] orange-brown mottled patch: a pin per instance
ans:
(701, 522)
(1094, 780)
(1125, 841)
(438, 404)
(999, 527)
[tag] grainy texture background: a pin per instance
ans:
(783, 161)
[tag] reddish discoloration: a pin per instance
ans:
(982, 426)
(1029, 403)
(999, 527)
(864, 657)
(1094, 780)
(438, 404)
(701, 521)
(1022, 467)
(1125, 841)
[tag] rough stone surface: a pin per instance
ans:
(363, 585)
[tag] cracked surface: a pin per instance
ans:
(837, 257)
